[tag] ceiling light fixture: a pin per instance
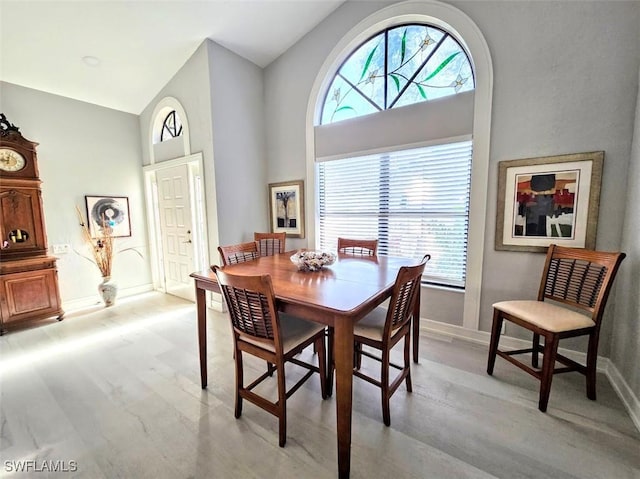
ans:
(91, 61)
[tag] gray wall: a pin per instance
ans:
(625, 350)
(222, 95)
(565, 81)
(191, 87)
(556, 91)
(237, 109)
(287, 84)
(84, 150)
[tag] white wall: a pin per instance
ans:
(84, 150)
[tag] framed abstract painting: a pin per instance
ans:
(546, 200)
(113, 210)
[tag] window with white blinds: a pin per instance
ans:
(413, 201)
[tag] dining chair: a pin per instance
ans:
(239, 253)
(358, 246)
(270, 243)
(383, 329)
(572, 296)
(260, 330)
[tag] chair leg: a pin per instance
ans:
(357, 355)
(322, 366)
(548, 365)
(592, 357)
(384, 380)
(270, 368)
(330, 361)
(237, 354)
(535, 350)
(282, 405)
(407, 361)
(495, 339)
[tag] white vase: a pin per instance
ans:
(108, 290)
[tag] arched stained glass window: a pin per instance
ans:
(171, 126)
(399, 66)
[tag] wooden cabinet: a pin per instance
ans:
(28, 276)
(29, 290)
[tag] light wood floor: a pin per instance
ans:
(117, 391)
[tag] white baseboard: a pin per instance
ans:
(626, 394)
(628, 398)
(88, 301)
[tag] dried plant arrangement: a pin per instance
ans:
(102, 246)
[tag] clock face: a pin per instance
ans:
(11, 160)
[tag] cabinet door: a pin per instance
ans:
(29, 294)
(21, 222)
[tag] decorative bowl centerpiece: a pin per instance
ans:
(312, 260)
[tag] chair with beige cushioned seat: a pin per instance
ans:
(578, 282)
(383, 329)
(260, 330)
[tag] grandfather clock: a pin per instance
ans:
(28, 275)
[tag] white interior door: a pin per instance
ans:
(174, 205)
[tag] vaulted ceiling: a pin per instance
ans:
(119, 54)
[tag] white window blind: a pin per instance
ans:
(413, 201)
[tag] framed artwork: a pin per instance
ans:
(553, 199)
(286, 206)
(112, 209)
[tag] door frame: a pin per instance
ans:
(197, 198)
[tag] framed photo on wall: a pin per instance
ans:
(114, 210)
(286, 206)
(547, 200)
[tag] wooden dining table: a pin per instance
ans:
(337, 296)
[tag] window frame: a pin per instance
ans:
(385, 213)
(385, 32)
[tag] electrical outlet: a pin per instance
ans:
(503, 329)
(61, 248)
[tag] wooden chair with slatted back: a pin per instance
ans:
(358, 246)
(239, 253)
(270, 243)
(573, 292)
(382, 329)
(260, 330)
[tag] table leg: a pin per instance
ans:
(416, 328)
(343, 353)
(202, 334)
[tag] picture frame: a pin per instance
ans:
(286, 208)
(552, 199)
(116, 211)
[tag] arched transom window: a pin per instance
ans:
(171, 126)
(399, 66)
(403, 175)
